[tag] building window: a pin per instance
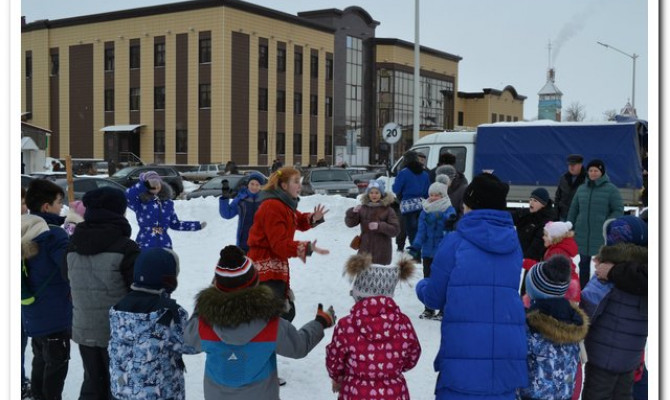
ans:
(297, 143)
(205, 96)
(205, 50)
(509, 118)
(281, 101)
(54, 64)
(134, 56)
(109, 99)
(262, 142)
(329, 106)
(29, 66)
(314, 66)
(297, 103)
(297, 63)
(329, 69)
(312, 145)
(385, 84)
(493, 117)
(353, 85)
(329, 145)
(182, 141)
(281, 143)
(262, 99)
(516, 119)
(134, 99)
(263, 56)
(313, 105)
(460, 118)
(159, 98)
(109, 59)
(159, 55)
(281, 60)
(159, 141)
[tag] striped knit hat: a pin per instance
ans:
(549, 279)
(234, 271)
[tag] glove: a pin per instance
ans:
(373, 226)
(203, 224)
(415, 253)
(226, 191)
(151, 179)
(326, 318)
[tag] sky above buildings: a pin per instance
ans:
(502, 42)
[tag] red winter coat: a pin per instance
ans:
(271, 241)
(370, 350)
(567, 247)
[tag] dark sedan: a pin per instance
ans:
(84, 184)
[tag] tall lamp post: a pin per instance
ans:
(634, 57)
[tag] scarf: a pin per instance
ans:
(436, 206)
(282, 196)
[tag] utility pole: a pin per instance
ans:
(634, 57)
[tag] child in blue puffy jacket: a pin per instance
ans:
(437, 210)
(245, 204)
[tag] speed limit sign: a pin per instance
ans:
(391, 133)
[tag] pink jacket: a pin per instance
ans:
(370, 350)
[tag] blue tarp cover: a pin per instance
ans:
(535, 154)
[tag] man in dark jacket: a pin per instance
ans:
(47, 319)
(100, 262)
(568, 184)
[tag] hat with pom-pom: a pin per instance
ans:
(374, 279)
(234, 270)
(440, 186)
(557, 229)
(549, 278)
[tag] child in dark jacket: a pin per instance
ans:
(555, 327)
(236, 322)
(379, 223)
(376, 343)
(245, 204)
(147, 332)
(437, 210)
(151, 199)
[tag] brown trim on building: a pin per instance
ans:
(204, 135)
(81, 100)
(181, 158)
(29, 83)
(181, 82)
(239, 97)
(54, 110)
(109, 84)
(422, 49)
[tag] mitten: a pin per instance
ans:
(203, 224)
(150, 178)
(226, 191)
(326, 318)
(414, 253)
(357, 208)
(373, 226)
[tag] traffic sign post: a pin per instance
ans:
(391, 133)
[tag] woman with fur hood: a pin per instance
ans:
(555, 326)
(376, 343)
(379, 223)
(151, 199)
(237, 323)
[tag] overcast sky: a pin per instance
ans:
(502, 42)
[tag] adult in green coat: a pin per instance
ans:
(596, 201)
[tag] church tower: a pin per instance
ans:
(549, 106)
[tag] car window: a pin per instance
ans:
(122, 173)
(106, 183)
(84, 185)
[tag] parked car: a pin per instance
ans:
(362, 177)
(329, 181)
(85, 183)
(129, 176)
(50, 175)
(213, 186)
(204, 172)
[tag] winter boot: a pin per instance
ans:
(438, 316)
(427, 314)
(26, 393)
(282, 381)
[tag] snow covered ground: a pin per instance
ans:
(320, 280)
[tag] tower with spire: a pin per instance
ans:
(549, 105)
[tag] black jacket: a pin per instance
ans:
(530, 229)
(566, 191)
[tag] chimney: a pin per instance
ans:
(551, 75)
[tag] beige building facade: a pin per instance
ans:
(488, 106)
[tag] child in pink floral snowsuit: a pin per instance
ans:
(376, 342)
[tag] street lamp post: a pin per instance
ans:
(634, 57)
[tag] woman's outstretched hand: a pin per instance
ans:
(319, 212)
(319, 250)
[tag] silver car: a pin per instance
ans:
(329, 181)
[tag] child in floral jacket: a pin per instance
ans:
(373, 345)
(151, 199)
(147, 333)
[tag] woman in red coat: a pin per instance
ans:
(271, 241)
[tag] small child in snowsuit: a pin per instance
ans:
(373, 345)
(437, 210)
(245, 204)
(236, 323)
(147, 332)
(151, 199)
(555, 326)
(74, 215)
(379, 223)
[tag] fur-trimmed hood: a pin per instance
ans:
(557, 330)
(31, 227)
(623, 252)
(386, 200)
(232, 309)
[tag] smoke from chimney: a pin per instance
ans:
(573, 27)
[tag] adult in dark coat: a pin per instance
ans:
(457, 185)
(444, 159)
(530, 223)
(568, 184)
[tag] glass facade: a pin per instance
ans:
(431, 99)
(354, 87)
